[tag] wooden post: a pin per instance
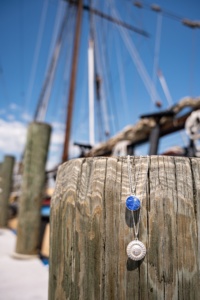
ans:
(90, 230)
(5, 188)
(32, 188)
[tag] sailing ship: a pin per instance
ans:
(101, 89)
(152, 126)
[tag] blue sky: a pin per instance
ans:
(28, 34)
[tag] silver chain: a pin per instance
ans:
(132, 191)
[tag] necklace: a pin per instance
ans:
(136, 250)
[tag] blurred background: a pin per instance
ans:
(145, 60)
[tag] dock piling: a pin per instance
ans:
(33, 181)
(6, 174)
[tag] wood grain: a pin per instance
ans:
(91, 228)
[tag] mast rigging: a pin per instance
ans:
(72, 82)
(111, 19)
(48, 83)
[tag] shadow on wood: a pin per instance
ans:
(90, 230)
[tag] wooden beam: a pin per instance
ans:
(140, 132)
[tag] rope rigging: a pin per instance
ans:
(121, 73)
(185, 21)
(21, 41)
(107, 37)
(100, 66)
(36, 54)
(111, 19)
(103, 78)
(192, 62)
(61, 86)
(48, 83)
(136, 59)
(156, 53)
(4, 85)
(157, 70)
(101, 107)
(91, 75)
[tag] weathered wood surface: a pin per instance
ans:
(6, 174)
(90, 230)
(32, 188)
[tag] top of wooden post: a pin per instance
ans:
(91, 228)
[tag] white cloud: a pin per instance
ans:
(10, 117)
(12, 137)
(58, 126)
(57, 140)
(57, 137)
(2, 111)
(55, 154)
(26, 117)
(52, 163)
(13, 106)
(57, 144)
(55, 149)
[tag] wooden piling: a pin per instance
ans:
(90, 230)
(6, 174)
(33, 181)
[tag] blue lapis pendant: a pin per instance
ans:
(133, 203)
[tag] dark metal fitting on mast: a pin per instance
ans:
(138, 4)
(156, 8)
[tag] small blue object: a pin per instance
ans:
(133, 203)
(45, 261)
(45, 211)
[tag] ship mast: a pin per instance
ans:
(72, 81)
(82, 7)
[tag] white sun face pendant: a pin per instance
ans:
(136, 250)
